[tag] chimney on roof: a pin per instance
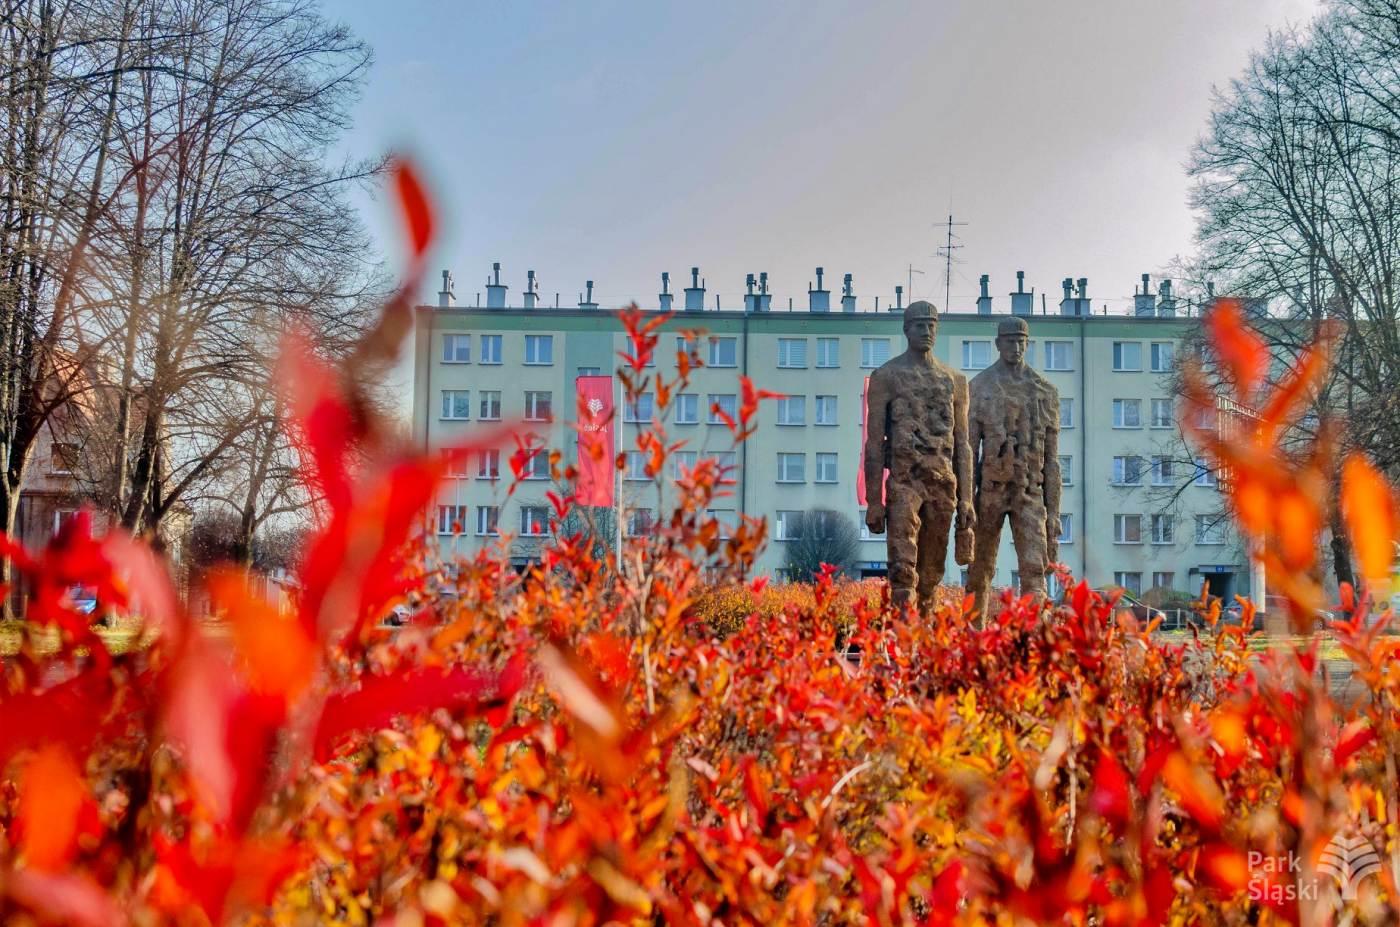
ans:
(1144, 302)
(695, 293)
(750, 297)
(588, 303)
(765, 299)
(1166, 302)
(665, 297)
(819, 299)
(898, 300)
(495, 290)
(1076, 301)
(445, 295)
(1022, 302)
(984, 299)
(848, 295)
(531, 293)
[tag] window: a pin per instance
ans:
(1066, 529)
(1066, 413)
(451, 518)
(539, 350)
(792, 410)
(1163, 529)
(62, 457)
(534, 521)
(727, 403)
(690, 347)
(682, 462)
(1166, 580)
(874, 351)
(1016, 579)
(1163, 352)
(1205, 476)
(639, 523)
(976, 355)
(826, 467)
(724, 352)
(1127, 529)
(1131, 582)
(728, 464)
(537, 465)
(724, 521)
(488, 465)
(636, 466)
(787, 526)
(821, 524)
(539, 405)
(456, 464)
(1127, 413)
(456, 404)
(828, 352)
(1163, 470)
(1066, 470)
(490, 410)
(1210, 529)
(456, 349)
(590, 372)
(825, 410)
(687, 408)
(1127, 356)
(1058, 355)
(488, 520)
(640, 409)
(1127, 471)
(1162, 413)
(792, 352)
(490, 349)
(792, 468)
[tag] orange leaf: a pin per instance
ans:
(414, 202)
(52, 793)
(278, 655)
(1369, 506)
(1239, 348)
(1197, 791)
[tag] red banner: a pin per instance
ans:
(595, 441)
(860, 458)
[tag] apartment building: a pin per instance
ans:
(1138, 510)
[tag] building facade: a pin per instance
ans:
(1139, 511)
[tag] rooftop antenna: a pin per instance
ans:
(946, 252)
(912, 271)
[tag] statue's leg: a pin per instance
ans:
(902, 541)
(1028, 534)
(984, 561)
(936, 517)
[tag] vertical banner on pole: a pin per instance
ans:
(595, 441)
(860, 458)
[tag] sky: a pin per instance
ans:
(613, 140)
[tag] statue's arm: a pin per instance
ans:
(877, 398)
(965, 437)
(1052, 481)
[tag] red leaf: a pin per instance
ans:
(1110, 796)
(64, 898)
(52, 793)
(1353, 737)
(380, 699)
(417, 214)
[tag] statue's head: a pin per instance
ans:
(921, 325)
(1013, 335)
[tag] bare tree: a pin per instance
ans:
(823, 536)
(1298, 191)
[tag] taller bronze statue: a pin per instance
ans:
(916, 427)
(1014, 427)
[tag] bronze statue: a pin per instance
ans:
(1014, 428)
(916, 427)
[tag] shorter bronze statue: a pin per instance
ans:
(1014, 430)
(916, 427)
